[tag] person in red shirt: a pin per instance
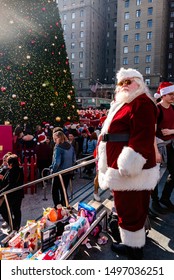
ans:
(165, 134)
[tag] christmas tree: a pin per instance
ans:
(35, 79)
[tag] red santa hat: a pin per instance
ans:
(123, 74)
(42, 138)
(163, 89)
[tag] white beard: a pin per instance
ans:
(127, 96)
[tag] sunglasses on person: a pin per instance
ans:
(125, 82)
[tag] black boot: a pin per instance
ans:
(134, 253)
(119, 248)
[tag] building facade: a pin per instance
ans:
(103, 35)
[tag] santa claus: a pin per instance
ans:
(127, 162)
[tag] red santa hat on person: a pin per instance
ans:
(123, 74)
(163, 89)
(41, 138)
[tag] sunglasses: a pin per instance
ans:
(125, 82)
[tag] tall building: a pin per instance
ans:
(142, 28)
(90, 35)
(103, 35)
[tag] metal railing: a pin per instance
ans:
(83, 162)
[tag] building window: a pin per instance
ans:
(171, 46)
(81, 34)
(73, 25)
(170, 66)
(149, 23)
(148, 47)
(126, 27)
(64, 17)
(138, 2)
(136, 60)
(82, 24)
(72, 65)
(172, 14)
(107, 35)
(138, 13)
(150, 1)
(126, 15)
(73, 15)
(171, 35)
(81, 13)
(81, 44)
(81, 64)
(171, 24)
(137, 25)
(125, 50)
(136, 48)
(172, 4)
(72, 35)
(80, 74)
(137, 36)
(170, 55)
(147, 82)
(125, 61)
(126, 4)
(80, 54)
(148, 58)
(64, 27)
(147, 70)
(72, 55)
(149, 35)
(125, 38)
(72, 45)
(150, 11)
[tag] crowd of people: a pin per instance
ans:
(126, 142)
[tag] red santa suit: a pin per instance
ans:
(129, 167)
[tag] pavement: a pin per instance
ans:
(159, 241)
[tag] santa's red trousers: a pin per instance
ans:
(132, 208)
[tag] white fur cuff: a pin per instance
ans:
(129, 162)
(135, 239)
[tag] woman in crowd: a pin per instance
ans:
(63, 158)
(13, 178)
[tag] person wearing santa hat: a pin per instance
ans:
(165, 135)
(127, 163)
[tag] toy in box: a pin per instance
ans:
(26, 238)
(88, 211)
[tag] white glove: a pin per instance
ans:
(123, 172)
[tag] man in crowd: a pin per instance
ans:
(127, 163)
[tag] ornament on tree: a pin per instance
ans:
(22, 103)
(64, 105)
(13, 96)
(3, 89)
(58, 119)
(69, 97)
(51, 104)
(6, 122)
(68, 117)
(56, 93)
(73, 106)
(25, 118)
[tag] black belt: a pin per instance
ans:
(108, 137)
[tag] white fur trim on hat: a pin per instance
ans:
(166, 90)
(123, 74)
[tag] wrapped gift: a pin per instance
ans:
(26, 238)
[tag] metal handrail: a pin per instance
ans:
(51, 176)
